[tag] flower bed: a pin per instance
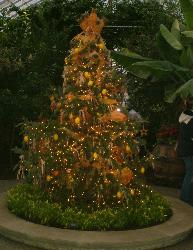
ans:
(30, 203)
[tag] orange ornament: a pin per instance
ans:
(118, 116)
(70, 97)
(126, 175)
(56, 173)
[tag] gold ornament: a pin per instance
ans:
(128, 150)
(48, 177)
(59, 105)
(87, 74)
(76, 50)
(95, 155)
(71, 116)
(52, 98)
(55, 137)
(101, 45)
(104, 91)
(90, 83)
(119, 195)
(142, 170)
(77, 120)
(26, 138)
(132, 192)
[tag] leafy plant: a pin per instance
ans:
(175, 70)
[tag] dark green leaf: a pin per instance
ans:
(184, 91)
(187, 9)
(170, 38)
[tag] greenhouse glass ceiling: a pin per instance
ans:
(4, 4)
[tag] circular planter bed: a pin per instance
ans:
(30, 203)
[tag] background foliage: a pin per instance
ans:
(33, 46)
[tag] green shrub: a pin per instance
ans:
(30, 203)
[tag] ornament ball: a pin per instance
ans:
(26, 138)
(119, 195)
(55, 137)
(77, 120)
(95, 155)
(142, 170)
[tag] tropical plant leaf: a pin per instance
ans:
(170, 38)
(183, 91)
(175, 30)
(186, 57)
(160, 65)
(155, 65)
(188, 33)
(133, 55)
(127, 57)
(187, 9)
(126, 61)
(190, 55)
(140, 72)
(166, 51)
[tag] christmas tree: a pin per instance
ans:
(87, 154)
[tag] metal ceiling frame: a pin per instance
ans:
(22, 4)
